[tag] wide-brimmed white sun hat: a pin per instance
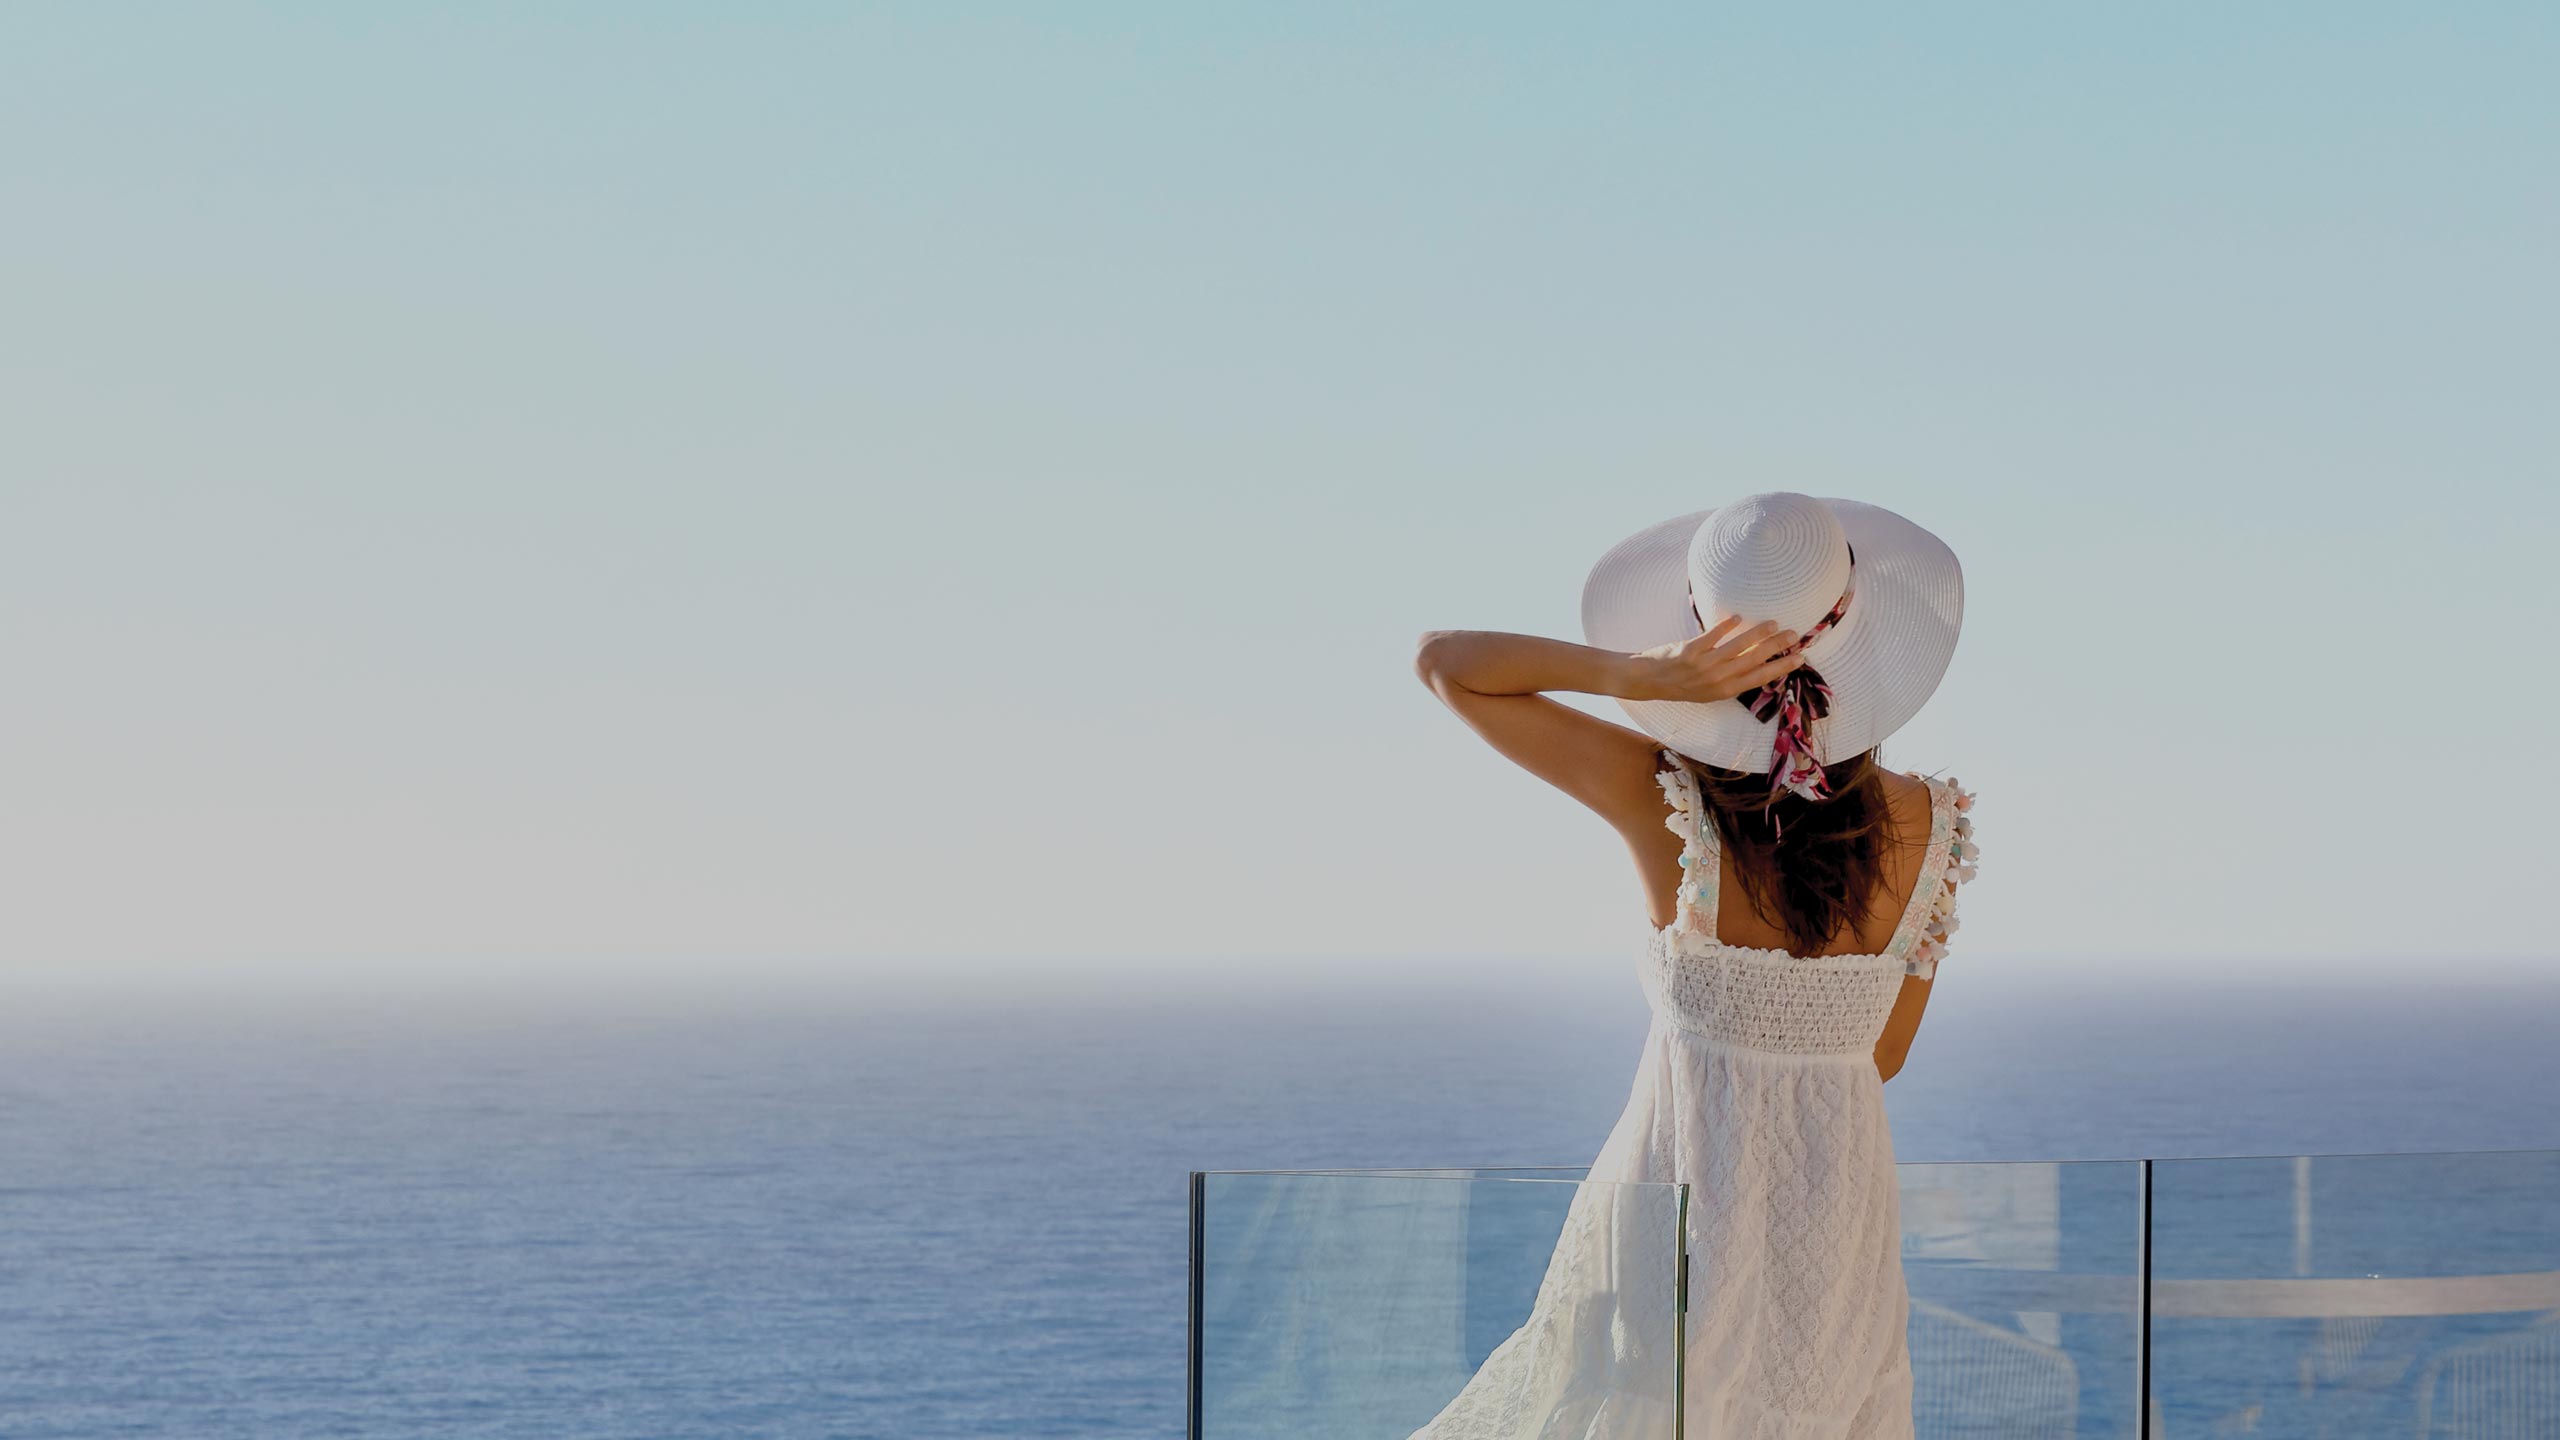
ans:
(1793, 559)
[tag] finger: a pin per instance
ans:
(1763, 636)
(1709, 645)
(1752, 634)
(1763, 673)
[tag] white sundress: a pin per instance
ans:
(1758, 1088)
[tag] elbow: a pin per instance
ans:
(1889, 1063)
(1431, 658)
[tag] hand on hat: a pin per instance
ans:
(1718, 665)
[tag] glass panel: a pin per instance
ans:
(2355, 1295)
(1354, 1305)
(2024, 1298)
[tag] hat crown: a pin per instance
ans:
(1774, 556)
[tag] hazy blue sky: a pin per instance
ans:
(879, 488)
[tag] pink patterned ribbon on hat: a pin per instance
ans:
(1795, 700)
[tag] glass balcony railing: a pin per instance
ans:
(1351, 1304)
(2026, 1283)
(2354, 1295)
(2318, 1297)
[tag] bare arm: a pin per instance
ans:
(1495, 683)
(1900, 1028)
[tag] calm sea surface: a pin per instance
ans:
(810, 1212)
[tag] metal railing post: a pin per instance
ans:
(2142, 1312)
(1191, 1367)
(1680, 1321)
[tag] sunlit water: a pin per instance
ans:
(816, 1213)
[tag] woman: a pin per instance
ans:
(1799, 897)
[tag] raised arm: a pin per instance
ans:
(1495, 682)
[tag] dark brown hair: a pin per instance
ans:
(1813, 868)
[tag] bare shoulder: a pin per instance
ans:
(1908, 798)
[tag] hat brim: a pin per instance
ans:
(1882, 661)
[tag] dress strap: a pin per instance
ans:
(1929, 920)
(1700, 871)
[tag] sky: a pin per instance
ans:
(949, 490)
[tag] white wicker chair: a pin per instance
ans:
(1972, 1379)
(2506, 1387)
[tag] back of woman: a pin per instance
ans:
(1799, 898)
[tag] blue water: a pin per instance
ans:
(819, 1212)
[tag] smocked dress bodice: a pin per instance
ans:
(1751, 998)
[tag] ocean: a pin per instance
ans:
(956, 1210)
